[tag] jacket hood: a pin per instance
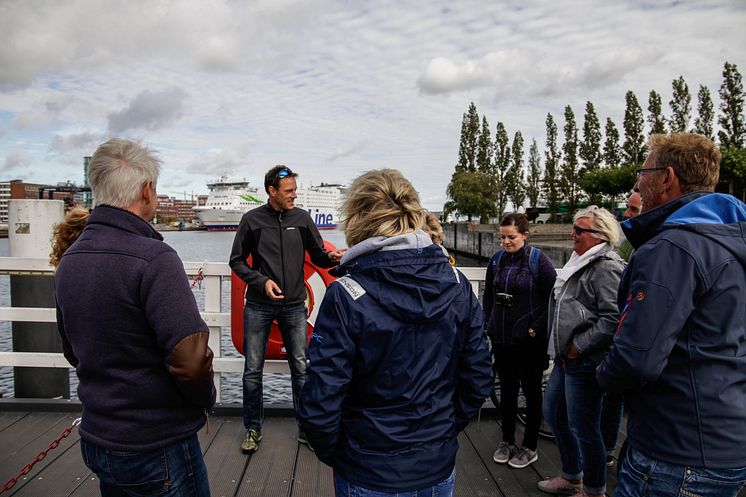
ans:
(717, 216)
(407, 275)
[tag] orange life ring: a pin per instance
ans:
(316, 280)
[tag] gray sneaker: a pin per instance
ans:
(251, 441)
(560, 486)
(523, 458)
(502, 454)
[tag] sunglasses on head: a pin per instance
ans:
(283, 173)
(579, 231)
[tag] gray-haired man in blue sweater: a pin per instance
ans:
(131, 327)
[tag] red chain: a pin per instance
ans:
(198, 279)
(26, 469)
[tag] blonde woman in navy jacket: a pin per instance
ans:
(399, 362)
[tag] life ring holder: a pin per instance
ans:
(315, 279)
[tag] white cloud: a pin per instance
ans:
(231, 161)
(348, 152)
(334, 88)
(149, 110)
(80, 143)
(14, 161)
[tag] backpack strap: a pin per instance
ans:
(533, 263)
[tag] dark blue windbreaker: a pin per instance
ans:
(680, 349)
(399, 364)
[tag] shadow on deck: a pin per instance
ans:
(281, 468)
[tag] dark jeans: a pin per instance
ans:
(612, 410)
(177, 470)
(572, 408)
(520, 366)
(343, 488)
(257, 321)
(641, 475)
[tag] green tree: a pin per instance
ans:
(569, 175)
(501, 166)
(731, 119)
(533, 182)
(484, 148)
(590, 149)
(706, 113)
(634, 140)
(551, 177)
(469, 195)
(467, 150)
(733, 172)
(655, 114)
(515, 178)
(681, 106)
(612, 151)
(609, 181)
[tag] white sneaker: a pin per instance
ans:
(502, 454)
(523, 458)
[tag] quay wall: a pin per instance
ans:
(476, 243)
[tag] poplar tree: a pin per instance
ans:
(612, 151)
(463, 160)
(731, 119)
(472, 137)
(706, 113)
(484, 148)
(533, 181)
(634, 141)
(501, 165)
(681, 106)
(553, 156)
(655, 114)
(590, 149)
(515, 188)
(569, 176)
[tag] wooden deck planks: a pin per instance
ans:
(312, 477)
(282, 467)
(25, 439)
(472, 477)
(9, 418)
(271, 469)
(485, 438)
(225, 462)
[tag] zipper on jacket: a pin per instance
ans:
(282, 257)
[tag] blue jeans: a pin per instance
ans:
(641, 475)
(257, 322)
(343, 488)
(177, 470)
(572, 408)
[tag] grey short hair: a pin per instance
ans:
(603, 221)
(118, 170)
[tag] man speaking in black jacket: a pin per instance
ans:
(277, 236)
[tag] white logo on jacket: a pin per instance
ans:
(353, 287)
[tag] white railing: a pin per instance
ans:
(213, 273)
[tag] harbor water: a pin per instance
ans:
(192, 246)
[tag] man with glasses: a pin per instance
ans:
(277, 236)
(679, 353)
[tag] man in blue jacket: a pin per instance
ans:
(130, 326)
(680, 349)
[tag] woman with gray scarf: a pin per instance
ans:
(583, 315)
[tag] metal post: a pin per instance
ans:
(30, 224)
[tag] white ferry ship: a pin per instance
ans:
(229, 200)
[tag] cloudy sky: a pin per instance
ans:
(331, 88)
